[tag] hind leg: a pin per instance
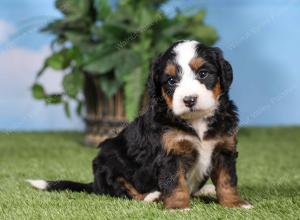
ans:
(134, 194)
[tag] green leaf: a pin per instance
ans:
(144, 18)
(59, 60)
(174, 30)
(38, 91)
(76, 37)
(104, 64)
(113, 32)
(134, 89)
(74, 8)
(131, 60)
(73, 83)
(79, 108)
(62, 59)
(104, 9)
(205, 34)
(93, 53)
(67, 109)
(54, 99)
(109, 86)
(199, 17)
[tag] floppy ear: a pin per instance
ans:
(153, 87)
(226, 74)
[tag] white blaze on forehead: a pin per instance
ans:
(189, 85)
(185, 51)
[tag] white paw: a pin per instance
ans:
(206, 190)
(152, 196)
(39, 184)
(180, 210)
(247, 206)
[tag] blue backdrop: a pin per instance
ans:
(259, 38)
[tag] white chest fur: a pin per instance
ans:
(205, 149)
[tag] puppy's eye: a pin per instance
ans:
(171, 81)
(203, 74)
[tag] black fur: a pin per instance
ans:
(69, 185)
(137, 154)
(226, 160)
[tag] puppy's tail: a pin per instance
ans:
(61, 185)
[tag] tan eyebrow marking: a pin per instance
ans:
(196, 63)
(171, 69)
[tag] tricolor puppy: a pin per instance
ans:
(187, 135)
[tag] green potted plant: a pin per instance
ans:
(105, 51)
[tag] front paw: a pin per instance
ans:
(237, 204)
(177, 201)
(177, 204)
(245, 205)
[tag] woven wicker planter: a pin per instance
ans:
(104, 117)
(98, 130)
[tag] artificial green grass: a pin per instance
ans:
(268, 170)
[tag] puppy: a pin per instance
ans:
(187, 135)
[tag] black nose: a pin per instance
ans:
(190, 101)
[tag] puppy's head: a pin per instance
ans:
(190, 77)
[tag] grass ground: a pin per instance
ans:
(268, 168)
